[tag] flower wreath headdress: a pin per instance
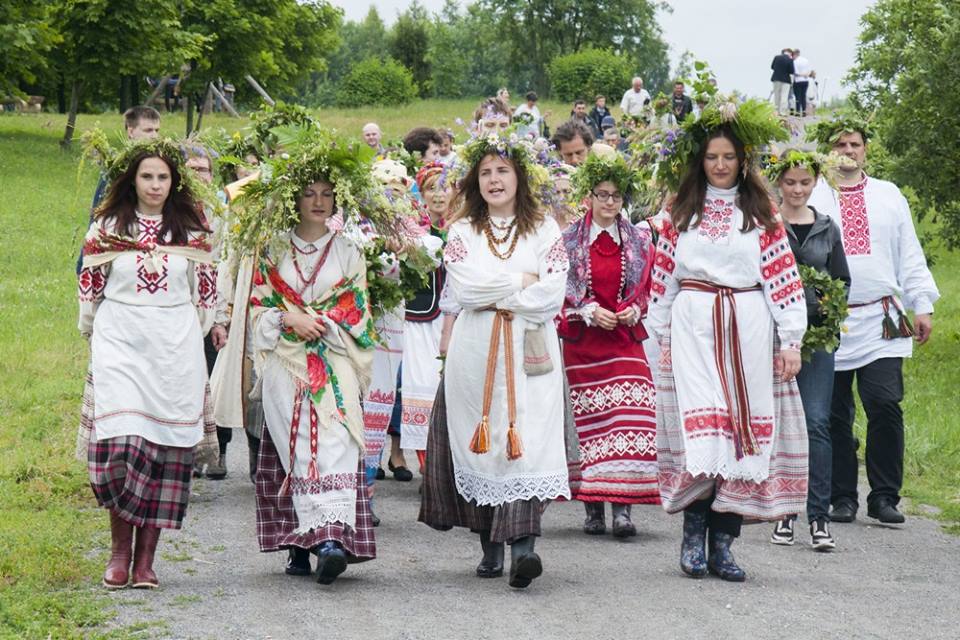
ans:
(599, 168)
(522, 151)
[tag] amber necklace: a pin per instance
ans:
(493, 241)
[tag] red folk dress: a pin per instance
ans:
(612, 395)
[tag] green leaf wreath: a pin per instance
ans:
(826, 132)
(832, 295)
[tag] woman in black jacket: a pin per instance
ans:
(816, 241)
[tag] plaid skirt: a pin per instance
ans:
(146, 484)
(277, 519)
(442, 508)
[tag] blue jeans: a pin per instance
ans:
(815, 381)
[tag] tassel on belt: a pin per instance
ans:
(891, 330)
(480, 443)
(745, 443)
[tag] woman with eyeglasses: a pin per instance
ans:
(611, 389)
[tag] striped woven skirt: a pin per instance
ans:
(277, 519)
(442, 508)
(146, 484)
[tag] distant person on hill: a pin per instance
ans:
(681, 103)
(802, 72)
(889, 276)
(597, 114)
(573, 140)
(504, 96)
(782, 66)
(372, 136)
(528, 118)
(140, 122)
(635, 99)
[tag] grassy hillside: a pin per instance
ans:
(53, 540)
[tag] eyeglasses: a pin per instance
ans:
(606, 196)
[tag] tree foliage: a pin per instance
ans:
(376, 81)
(589, 73)
(26, 39)
(906, 60)
(539, 30)
(409, 42)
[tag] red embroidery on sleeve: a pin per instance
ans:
(778, 268)
(455, 251)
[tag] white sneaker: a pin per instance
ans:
(783, 532)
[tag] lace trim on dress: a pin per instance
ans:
(485, 490)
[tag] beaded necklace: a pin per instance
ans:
(493, 240)
(623, 271)
(307, 282)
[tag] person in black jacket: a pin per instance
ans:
(596, 116)
(782, 66)
(817, 242)
(680, 102)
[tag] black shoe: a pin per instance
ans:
(374, 518)
(843, 511)
(298, 562)
(820, 538)
(401, 473)
(218, 471)
(721, 562)
(492, 564)
(525, 565)
(594, 524)
(331, 562)
(886, 512)
(623, 526)
(380, 473)
(783, 532)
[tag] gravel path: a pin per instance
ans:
(882, 582)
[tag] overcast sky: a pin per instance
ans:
(737, 37)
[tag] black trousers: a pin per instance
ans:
(800, 93)
(224, 435)
(880, 386)
(721, 522)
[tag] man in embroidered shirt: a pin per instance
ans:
(142, 123)
(889, 276)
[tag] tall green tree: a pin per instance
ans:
(105, 40)
(409, 42)
(539, 30)
(905, 72)
(280, 43)
(26, 39)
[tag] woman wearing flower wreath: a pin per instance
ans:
(611, 390)
(731, 442)
(424, 319)
(496, 449)
(147, 295)
(816, 242)
(313, 337)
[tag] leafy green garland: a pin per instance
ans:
(386, 293)
(792, 159)
(826, 132)
(599, 168)
(832, 295)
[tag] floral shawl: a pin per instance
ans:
(316, 367)
(639, 251)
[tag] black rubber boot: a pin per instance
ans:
(492, 564)
(525, 565)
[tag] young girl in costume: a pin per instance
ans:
(612, 395)
(147, 294)
(496, 448)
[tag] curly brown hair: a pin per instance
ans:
(473, 207)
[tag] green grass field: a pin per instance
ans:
(53, 540)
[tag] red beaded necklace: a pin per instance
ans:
(307, 282)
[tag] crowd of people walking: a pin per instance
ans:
(538, 319)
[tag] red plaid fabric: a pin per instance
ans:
(277, 519)
(146, 484)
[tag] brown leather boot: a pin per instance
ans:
(117, 575)
(143, 576)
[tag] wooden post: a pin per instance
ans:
(157, 89)
(188, 110)
(72, 116)
(263, 94)
(226, 104)
(203, 106)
